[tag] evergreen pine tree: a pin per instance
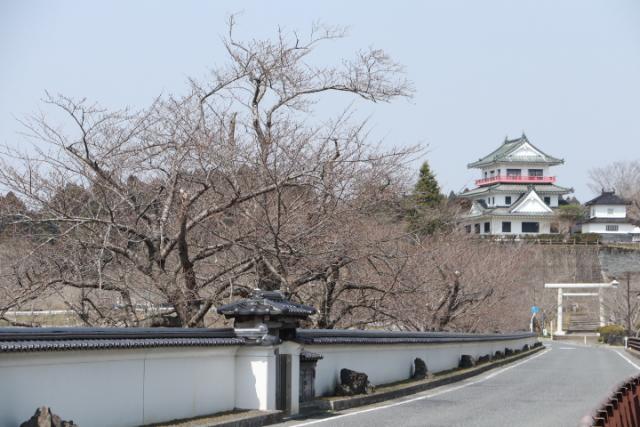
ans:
(427, 191)
(426, 201)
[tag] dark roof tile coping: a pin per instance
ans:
(109, 344)
(65, 339)
(265, 303)
(17, 333)
(330, 336)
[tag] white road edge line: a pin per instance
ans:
(427, 396)
(627, 359)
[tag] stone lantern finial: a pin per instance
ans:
(266, 316)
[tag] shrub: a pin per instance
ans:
(586, 237)
(610, 331)
(556, 237)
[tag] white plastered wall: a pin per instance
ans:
(602, 228)
(117, 387)
(255, 372)
(608, 211)
(394, 362)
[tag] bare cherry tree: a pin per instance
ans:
(623, 177)
(460, 283)
(198, 198)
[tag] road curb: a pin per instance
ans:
(342, 403)
(248, 419)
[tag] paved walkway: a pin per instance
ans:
(556, 387)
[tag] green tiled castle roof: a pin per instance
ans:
(505, 153)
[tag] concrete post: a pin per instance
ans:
(559, 330)
(292, 348)
(603, 320)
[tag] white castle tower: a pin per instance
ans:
(516, 193)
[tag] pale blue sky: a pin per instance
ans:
(566, 72)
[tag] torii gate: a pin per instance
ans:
(561, 286)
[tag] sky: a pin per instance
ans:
(565, 72)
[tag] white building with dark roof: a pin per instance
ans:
(608, 217)
(516, 192)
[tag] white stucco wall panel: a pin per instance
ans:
(602, 228)
(394, 362)
(255, 369)
(187, 385)
(68, 386)
(117, 387)
(608, 211)
(516, 225)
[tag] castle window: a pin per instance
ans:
(514, 172)
(476, 228)
(507, 201)
(530, 227)
(487, 227)
(611, 228)
(535, 172)
(547, 200)
(506, 227)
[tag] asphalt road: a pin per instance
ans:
(553, 388)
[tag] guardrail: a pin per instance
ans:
(634, 343)
(622, 409)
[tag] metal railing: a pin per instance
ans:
(622, 409)
(517, 179)
(634, 343)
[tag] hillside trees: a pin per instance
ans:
(201, 197)
(456, 282)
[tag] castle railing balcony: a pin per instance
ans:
(516, 179)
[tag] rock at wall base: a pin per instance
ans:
(352, 383)
(43, 417)
(466, 361)
(419, 369)
(484, 359)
